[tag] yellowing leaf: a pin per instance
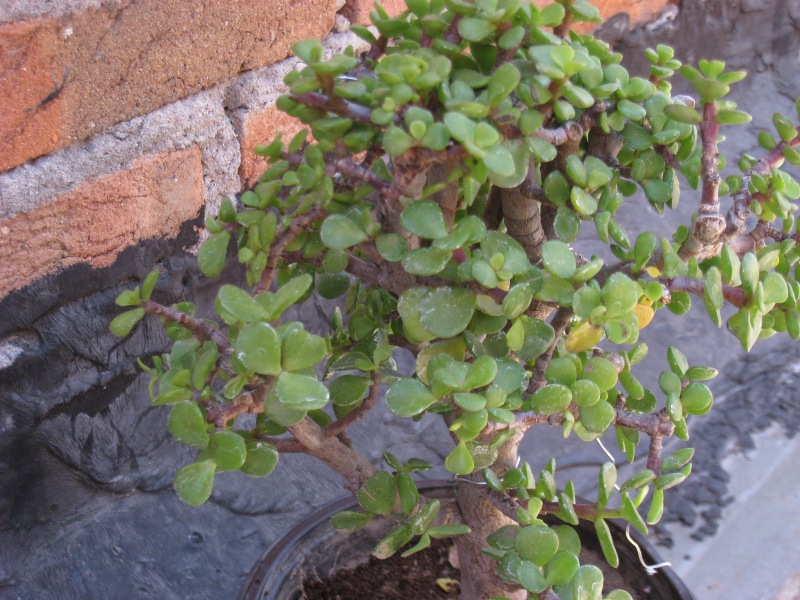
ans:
(644, 313)
(584, 337)
(653, 271)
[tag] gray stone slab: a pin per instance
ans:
(755, 553)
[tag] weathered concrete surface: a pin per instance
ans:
(753, 551)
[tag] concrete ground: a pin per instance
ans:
(755, 555)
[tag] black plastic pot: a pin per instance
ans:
(315, 549)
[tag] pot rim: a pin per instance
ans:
(281, 549)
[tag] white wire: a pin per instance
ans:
(465, 480)
(650, 569)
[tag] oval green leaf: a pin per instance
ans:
(339, 232)
(258, 348)
(261, 459)
(227, 450)
(378, 493)
(187, 424)
(301, 392)
(536, 543)
(551, 399)
(446, 312)
(302, 350)
(407, 397)
(193, 483)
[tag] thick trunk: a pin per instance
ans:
(523, 221)
(479, 580)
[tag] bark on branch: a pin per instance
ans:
(704, 239)
(343, 108)
(338, 456)
(730, 293)
(651, 424)
(201, 329)
(297, 226)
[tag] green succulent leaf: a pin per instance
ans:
(258, 348)
(239, 304)
(460, 461)
(378, 493)
(211, 257)
(396, 539)
(558, 259)
(683, 114)
(187, 424)
(350, 520)
(536, 543)
(124, 323)
(424, 218)
(561, 569)
(339, 232)
(194, 483)
(348, 390)
(474, 29)
(550, 399)
(302, 350)
(227, 450)
(446, 311)
(530, 577)
(301, 392)
(261, 460)
(407, 397)
(606, 542)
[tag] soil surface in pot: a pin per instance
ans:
(418, 576)
(395, 578)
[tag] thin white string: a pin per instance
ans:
(609, 455)
(465, 480)
(649, 569)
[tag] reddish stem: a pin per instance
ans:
(202, 330)
(709, 129)
(732, 294)
(297, 226)
(341, 107)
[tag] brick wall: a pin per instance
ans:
(115, 110)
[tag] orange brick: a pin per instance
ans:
(640, 11)
(64, 79)
(357, 11)
(30, 124)
(260, 127)
(101, 217)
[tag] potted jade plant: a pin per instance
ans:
(439, 190)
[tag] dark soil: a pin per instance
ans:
(414, 577)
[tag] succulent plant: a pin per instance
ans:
(440, 195)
